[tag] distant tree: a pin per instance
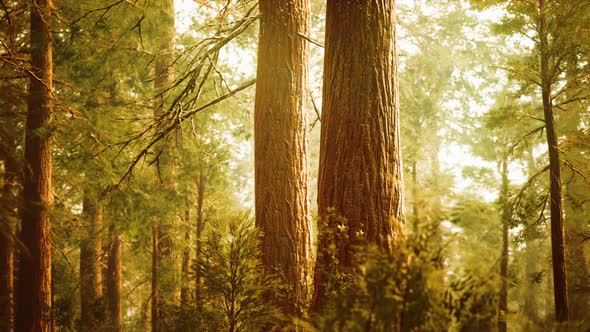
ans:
(360, 175)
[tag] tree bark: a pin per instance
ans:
(34, 294)
(360, 173)
(7, 237)
(90, 271)
(504, 278)
(281, 147)
(113, 281)
(155, 275)
(560, 287)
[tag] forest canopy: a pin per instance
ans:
(294, 165)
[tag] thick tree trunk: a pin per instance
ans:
(7, 234)
(557, 225)
(34, 294)
(506, 215)
(113, 281)
(90, 271)
(281, 147)
(360, 173)
(199, 236)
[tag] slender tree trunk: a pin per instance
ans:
(360, 173)
(7, 234)
(199, 236)
(281, 147)
(415, 198)
(34, 296)
(504, 279)
(531, 286)
(90, 271)
(155, 275)
(186, 259)
(557, 226)
(113, 280)
(165, 282)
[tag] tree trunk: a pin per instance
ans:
(576, 209)
(90, 272)
(113, 281)
(415, 198)
(360, 173)
(199, 236)
(557, 225)
(34, 294)
(506, 215)
(186, 259)
(7, 237)
(155, 275)
(281, 147)
(531, 286)
(165, 282)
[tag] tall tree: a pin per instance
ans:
(281, 146)
(360, 174)
(34, 297)
(90, 270)
(113, 280)
(504, 281)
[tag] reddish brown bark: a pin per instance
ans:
(34, 294)
(90, 271)
(360, 174)
(560, 287)
(281, 147)
(113, 281)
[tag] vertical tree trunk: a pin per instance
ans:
(360, 173)
(165, 282)
(155, 275)
(7, 234)
(90, 271)
(531, 263)
(199, 236)
(186, 259)
(34, 296)
(557, 225)
(281, 147)
(506, 215)
(113, 281)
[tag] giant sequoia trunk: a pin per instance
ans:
(9, 202)
(557, 225)
(360, 173)
(90, 271)
(113, 281)
(281, 146)
(506, 213)
(34, 294)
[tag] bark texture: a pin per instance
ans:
(34, 296)
(560, 287)
(113, 281)
(201, 185)
(186, 260)
(90, 271)
(360, 173)
(281, 146)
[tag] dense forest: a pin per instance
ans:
(294, 165)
